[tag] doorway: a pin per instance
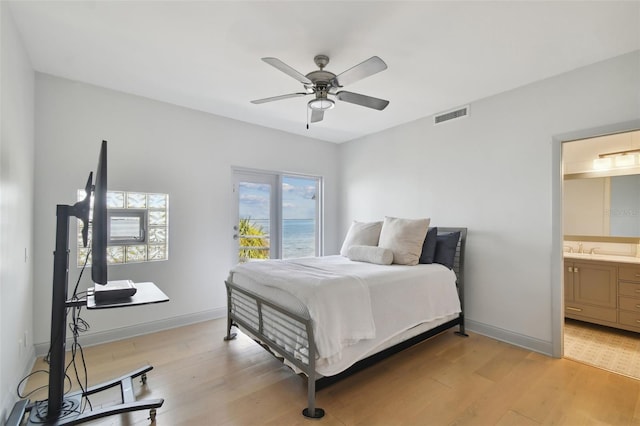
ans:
(602, 325)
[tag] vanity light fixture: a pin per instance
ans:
(602, 163)
(625, 160)
(628, 158)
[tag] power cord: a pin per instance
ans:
(77, 325)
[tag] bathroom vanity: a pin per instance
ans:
(603, 289)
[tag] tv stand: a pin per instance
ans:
(59, 409)
(71, 415)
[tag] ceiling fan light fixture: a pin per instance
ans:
(321, 104)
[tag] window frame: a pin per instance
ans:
(141, 214)
(277, 247)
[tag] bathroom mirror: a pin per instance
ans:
(606, 206)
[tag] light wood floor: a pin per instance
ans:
(447, 380)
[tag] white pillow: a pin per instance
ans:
(370, 254)
(404, 237)
(361, 234)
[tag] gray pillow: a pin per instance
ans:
(429, 246)
(446, 245)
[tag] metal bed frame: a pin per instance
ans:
(280, 330)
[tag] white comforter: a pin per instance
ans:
(338, 301)
(370, 304)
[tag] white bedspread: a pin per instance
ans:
(393, 299)
(338, 302)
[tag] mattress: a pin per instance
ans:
(405, 301)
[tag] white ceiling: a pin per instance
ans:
(206, 55)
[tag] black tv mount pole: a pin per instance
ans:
(61, 410)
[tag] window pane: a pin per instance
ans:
(299, 217)
(254, 214)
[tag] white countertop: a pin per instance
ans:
(602, 257)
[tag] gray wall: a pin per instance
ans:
(157, 147)
(16, 212)
(492, 172)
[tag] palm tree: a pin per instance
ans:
(254, 242)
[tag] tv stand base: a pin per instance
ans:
(70, 413)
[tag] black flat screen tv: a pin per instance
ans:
(99, 228)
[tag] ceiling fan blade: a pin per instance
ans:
(363, 100)
(277, 98)
(277, 63)
(364, 69)
(316, 115)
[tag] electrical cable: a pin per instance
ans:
(77, 325)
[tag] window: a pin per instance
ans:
(277, 215)
(138, 225)
(126, 226)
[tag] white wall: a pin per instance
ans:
(491, 172)
(16, 212)
(157, 147)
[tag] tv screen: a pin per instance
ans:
(99, 231)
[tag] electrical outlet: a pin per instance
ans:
(25, 339)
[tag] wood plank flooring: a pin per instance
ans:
(447, 380)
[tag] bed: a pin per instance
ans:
(371, 311)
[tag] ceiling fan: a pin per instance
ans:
(323, 84)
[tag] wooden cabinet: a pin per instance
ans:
(629, 297)
(590, 289)
(602, 292)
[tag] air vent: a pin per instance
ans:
(451, 115)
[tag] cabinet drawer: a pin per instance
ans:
(630, 318)
(576, 310)
(629, 304)
(629, 289)
(629, 273)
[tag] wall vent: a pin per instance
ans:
(451, 115)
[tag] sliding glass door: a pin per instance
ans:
(277, 216)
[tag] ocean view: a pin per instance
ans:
(298, 239)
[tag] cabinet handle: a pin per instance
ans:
(637, 306)
(570, 269)
(637, 275)
(575, 269)
(638, 321)
(569, 308)
(637, 290)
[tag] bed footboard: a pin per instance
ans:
(288, 334)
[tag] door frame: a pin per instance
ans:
(276, 249)
(557, 271)
(263, 177)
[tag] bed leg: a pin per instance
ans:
(461, 331)
(230, 335)
(311, 411)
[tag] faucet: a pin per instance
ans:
(593, 250)
(580, 249)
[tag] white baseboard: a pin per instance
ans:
(517, 339)
(139, 329)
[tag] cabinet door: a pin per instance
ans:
(568, 282)
(595, 284)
